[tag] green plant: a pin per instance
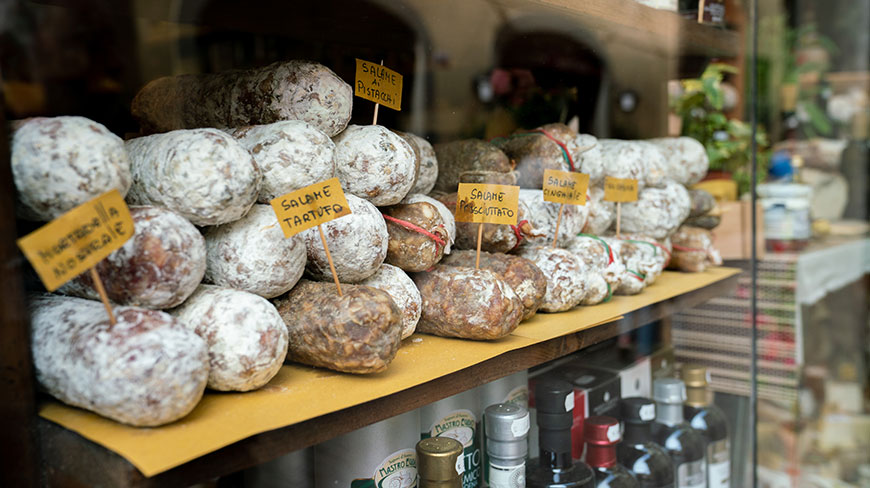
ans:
(804, 60)
(728, 141)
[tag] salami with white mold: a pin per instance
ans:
(446, 216)
(565, 273)
(159, 267)
(597, 289)
(291, 154)
(601, 212)
(545, 214)
(457, 157)
(146, 370)
(658, 212)
(359, 332)
(253, 255)
(245, 335)
(357, 242)
(59, 163)
(467, 303)
(203, 174)
(427, 167)
(375, 164)
(686, 158)
(286, 90)
(402, 290)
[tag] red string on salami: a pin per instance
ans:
(680, 248)
(439, 242)
(518, 232)
(603, 243)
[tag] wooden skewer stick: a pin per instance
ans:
(375, 120)
(479, 238)
(618, 217)
(329, 258)
(558, 221)
(98, 284)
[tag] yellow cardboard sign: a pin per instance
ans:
(620, 189)
(565, 187)
(379, 84)
(490, 204)
(79, 239)
(310, 206)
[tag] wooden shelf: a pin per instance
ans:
(71, 459)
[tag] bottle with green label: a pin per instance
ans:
(439, 463)
(457, 417)
(710, 421)
(380, 455)
(684, 444)
(510, 389)
(506, 430)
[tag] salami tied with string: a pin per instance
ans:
(418, 235)
(457, 157)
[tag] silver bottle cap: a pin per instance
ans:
(669, 390)
(507, 428)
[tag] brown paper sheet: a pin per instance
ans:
(221, 419)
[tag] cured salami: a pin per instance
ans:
(495, 237)
(597, 289)
(286, 90)
(59, 163)
(375, 164)
(601, 212)
(598, 256)
(686, 159)
(146, 370)
(657, 212)
(418, 235)
(446, 216)
(203, 174)
(246, 338)
(693, 250)
(358, 244)
(535, 152)
(527, 281)
(467, 303)
(359, 332)
(590, 161)
(544, 215)
(427, 169)
(565, 273)
(457, 157)
(253, 255)
(402, 290)
(640, 160)
(159, 267)
(291, 155)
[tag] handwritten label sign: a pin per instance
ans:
(310, 206)
(78, 240)
(378, 84)
(565, 187)
(490, 204)
(620, 189)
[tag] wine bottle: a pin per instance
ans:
(683, 443)
(710, 421)
(439, 463)
(506, 426)
(601, 435)
(648, 461)
(555, 468)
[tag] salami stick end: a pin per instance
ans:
(329, 258)
(98, 284)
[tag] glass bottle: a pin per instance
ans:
(710, 421)
(601, 435)
(506, 426)
(439, 463)
(554, 400)
(684, 444)
(648, 461)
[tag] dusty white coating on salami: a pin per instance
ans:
(601, 212)
(589, 161)
(596, 254)
(291, 154)
(357, 242)
(658, 212)
(402, 290)
(623, 159)
(374, 163)
(543, 216)
(59, 163)
(427, 174)
(203, 174)
(253, 255)
(656, 254)
(566, 276)
(446, 215)
(596, 289)
(686, 159)
(146, 370)
(159, 267)
(655, 164)
(637, 263)
(245, 335)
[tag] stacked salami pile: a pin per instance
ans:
(210, 293)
